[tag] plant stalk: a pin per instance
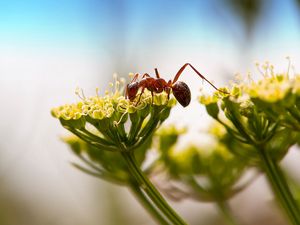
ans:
(226, 212)
(280, 187)
(146, 185)
(147, 204)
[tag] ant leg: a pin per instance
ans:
(152, 97)
(146, 75)
(168, 93)
(168, 89)
(135, 77)
(142, 91)
(156, 73)
(196, 71)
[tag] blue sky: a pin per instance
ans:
(128, 26)
(52, 22)
(88, 21)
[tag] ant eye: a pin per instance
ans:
(182, 93)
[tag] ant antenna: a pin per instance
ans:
(199, 74)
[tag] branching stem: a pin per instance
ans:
(146, 185)
(144, 200)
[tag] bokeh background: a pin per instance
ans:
(48, 48)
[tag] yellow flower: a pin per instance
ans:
(68, 112)
(208, 99)
(270, 89)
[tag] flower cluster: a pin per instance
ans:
(279, 97)
(97, 107)
(101, 120)
(105, 125)
(204, 173)
(259, 114)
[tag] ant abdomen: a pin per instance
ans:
(182, 93)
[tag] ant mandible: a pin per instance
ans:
(157, 85)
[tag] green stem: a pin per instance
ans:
(148, 205)
(151, 191)
(280, 187)
(226, 212)
(134, 129)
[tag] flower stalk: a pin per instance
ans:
(226, 212)
(151, 191)
(280, 187)
(143, 199)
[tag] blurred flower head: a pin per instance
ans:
(259, 113)
(204, 173)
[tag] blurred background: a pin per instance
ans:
(48, 48)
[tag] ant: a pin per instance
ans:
(157, 85)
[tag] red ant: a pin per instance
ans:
(157, 85)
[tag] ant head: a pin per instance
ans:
(132, 90)
(182, 93)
